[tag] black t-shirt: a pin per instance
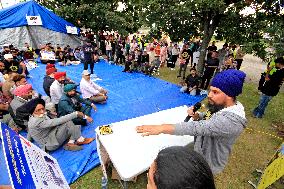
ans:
(88, 52)
(212, 48)
(12, 66)
(145, 58)
(192, 81)
(213, 62)
(186, 54)
(272, 86)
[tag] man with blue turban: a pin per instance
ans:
(217, 130)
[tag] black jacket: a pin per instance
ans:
(272, 86)
(47, 81)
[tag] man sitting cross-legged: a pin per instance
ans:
(92, 91)
(50, 134)
(71, 102)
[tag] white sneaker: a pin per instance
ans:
(94, 76)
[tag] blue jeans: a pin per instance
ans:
(259, 110)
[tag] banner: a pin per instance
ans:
(34, 20)
(28, 166)
(72, 30)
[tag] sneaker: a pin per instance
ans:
(93, 75)
(86, 141)
(72, 147)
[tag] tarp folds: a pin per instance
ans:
(36, 36)
(33, 23)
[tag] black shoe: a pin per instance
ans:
(178, 76)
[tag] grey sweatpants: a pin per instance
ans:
(67, 131)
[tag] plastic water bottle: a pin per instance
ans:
(104, 183)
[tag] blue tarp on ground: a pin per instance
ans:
(130, 95)
(15, 16)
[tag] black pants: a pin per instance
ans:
(208, 74)
(174, 60)
(239, 63)
(120, 58)
(86, 63)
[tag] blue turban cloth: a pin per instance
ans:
(229, 81)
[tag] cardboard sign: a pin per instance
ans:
(273, 171)
(34, 20)
(72, 30)
(28, 166)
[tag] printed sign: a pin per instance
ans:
(28, 166)
(273, 171)
(72, 30)
(34, 20)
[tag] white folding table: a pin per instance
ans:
(130, 153)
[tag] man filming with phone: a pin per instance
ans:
(218, 128)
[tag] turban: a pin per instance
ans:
(58, 75)
(49, 66)
(51, 71)
(229, 81)
(31, 105)
(69, 87)
(23, 90)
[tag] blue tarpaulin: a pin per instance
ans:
(130, 95)
(15, 16)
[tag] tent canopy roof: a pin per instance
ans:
(15, 16)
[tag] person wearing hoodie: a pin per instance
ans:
(217, 130)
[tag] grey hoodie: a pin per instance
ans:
(216, 136)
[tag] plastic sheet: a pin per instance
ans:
(130, 95)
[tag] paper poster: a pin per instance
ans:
(28, 166)
(72, 30)
(34, 20)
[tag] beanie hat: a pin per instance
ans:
(23, 90)
(58, 75)
(31, 105)
(229, 81)
(69, 87)
(51, 71)
(49, 66)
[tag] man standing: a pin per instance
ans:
(71, 102)
(270, 87)
(185, 57)
(88, 50)
(210, 67)
(50, 134)
(216, 134)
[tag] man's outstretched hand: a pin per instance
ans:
(147, 130)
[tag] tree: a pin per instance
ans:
(223, 18)
(98, 15)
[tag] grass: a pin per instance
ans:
(251, 151)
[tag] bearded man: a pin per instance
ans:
(217, 130)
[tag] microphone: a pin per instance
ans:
(196, 107)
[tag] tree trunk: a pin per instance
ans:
(209, 28)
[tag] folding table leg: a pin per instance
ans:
(125, 184)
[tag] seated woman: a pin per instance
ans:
(71, 59)
(179, 167)
(191, 83)
(61, 58)
(92, 91)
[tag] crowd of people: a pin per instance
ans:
(53, 119)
